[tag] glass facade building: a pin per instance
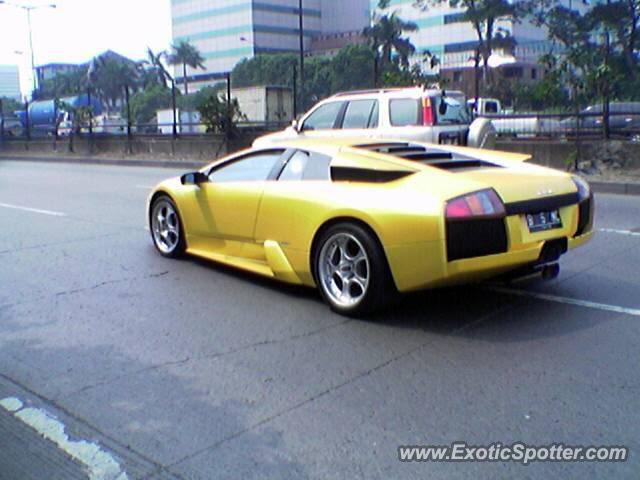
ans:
(10, 82)
(227, 31)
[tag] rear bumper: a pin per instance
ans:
(491, 265)
(414, 270)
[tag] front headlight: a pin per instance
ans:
(584, 190)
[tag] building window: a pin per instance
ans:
(534, 73)
(457, 76)
(513, 72)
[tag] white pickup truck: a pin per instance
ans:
(521, 125)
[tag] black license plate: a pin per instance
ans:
(539, 222)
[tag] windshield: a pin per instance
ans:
(456, 112)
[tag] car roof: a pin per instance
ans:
(327, 145)
(413, 92)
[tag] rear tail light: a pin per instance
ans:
(427, 111)
(484, 203)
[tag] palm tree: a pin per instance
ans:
(153, 71)
(109, 75)
(386, 34)
(187, 55)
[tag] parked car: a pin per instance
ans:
(416, 114)
(624, 119)
(363, 218)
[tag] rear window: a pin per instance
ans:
(404, 112)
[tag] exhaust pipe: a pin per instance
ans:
(551, 271)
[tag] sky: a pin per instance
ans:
(77, 30)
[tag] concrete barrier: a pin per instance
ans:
(158, 147)
(561, 154)
(552, 153)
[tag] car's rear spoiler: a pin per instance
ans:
(488, 155)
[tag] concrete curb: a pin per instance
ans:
(187, 164)
(619, 188)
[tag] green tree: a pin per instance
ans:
(80, 117)
(153, 71)
(221, 117)
(147, 102)
(485, 16)
(386, 35)
(10, 105)
(352, 68)
(265, 70)
(109, 75)
(592, 59)
(318, 73)
(621, 19)
(65, 84)
(187, 55)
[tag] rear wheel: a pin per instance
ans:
(351, 270)
(166, 228)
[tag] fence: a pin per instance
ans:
(531, 126)
(48, 121)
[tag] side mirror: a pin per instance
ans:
(442, 109)
(193, 178)
(296, 125)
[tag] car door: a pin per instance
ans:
(324, 120)
(227, 205)
(360, 118)
(284, 215)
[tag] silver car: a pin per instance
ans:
(418, 114)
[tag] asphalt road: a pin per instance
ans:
(185, 369)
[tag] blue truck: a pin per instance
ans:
(44, 116)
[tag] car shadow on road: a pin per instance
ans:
(473, 310)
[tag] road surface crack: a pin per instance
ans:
(110, 282)
(86, 289)
(55, 244)
(209, 356)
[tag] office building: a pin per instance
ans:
(227, 31)
(444, 32)
(10, 82)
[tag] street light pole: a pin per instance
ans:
(28, 9)
(301, 27)
(33, 57)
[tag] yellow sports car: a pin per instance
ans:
(363, 219)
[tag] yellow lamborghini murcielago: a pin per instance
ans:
(364, 219)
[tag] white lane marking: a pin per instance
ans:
(11, 404)
(569, 301)
(621, 232)
(33, 210)
(100, 465)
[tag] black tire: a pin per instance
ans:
(380, 290)
(178, 245)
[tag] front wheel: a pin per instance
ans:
(352, 271)
(166, 228)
